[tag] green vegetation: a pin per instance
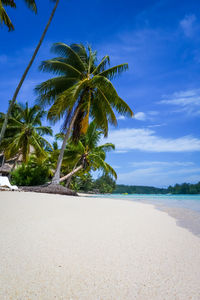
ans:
(134, 189)
(34, 172)
(85, 183)
(81, 89)
(185, 188)
(5, 19)
(25, 132)
(84, 94)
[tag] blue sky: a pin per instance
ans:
(160, 40)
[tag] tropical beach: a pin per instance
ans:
(99, 150)
(64, 247)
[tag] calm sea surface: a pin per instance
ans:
(183, 201)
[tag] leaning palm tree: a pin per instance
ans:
(82, 88)
(4, 18)
(3, 129)
(25, 133)
(87, 155)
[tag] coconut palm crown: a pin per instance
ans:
(81, 84)
(25, 133)
(81, 89)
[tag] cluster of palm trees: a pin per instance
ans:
(82, 95)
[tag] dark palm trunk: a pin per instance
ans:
(56, 178)
(3, 129)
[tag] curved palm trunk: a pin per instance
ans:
(71, 173)
(56, 178)
(3, 129)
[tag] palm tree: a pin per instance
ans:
(86, 155)
(4, 18)
(25, 133)
(82, 88)
(3, 129)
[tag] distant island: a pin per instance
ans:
(185, 188)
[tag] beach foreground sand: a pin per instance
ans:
(59, 247)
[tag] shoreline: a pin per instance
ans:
(64, 247)
(185, 217)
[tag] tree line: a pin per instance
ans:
(185, 188)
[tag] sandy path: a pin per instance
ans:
(58, 247)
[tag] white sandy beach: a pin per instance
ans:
(78, 248)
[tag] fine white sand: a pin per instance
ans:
(59, 247)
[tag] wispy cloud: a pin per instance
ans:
(188, 101)
(160, 173)
(141, 116)
(129, 139)
(188, 25)
(162, 164)
(121, 118)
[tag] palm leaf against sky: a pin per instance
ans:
(4, 18)
(87, 155)
(25, 131)
(81, 89)
(31, 4)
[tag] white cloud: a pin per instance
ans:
(188, 101)
(146, 140)
(156, 125)
(141, 116)
(162, 164)
(188, 25)
(121, 118)
(155, 176)
(160, 173)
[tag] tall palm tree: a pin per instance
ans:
(4, 18)
(3, 129)
(87, 155)
(25, 133)
(82, 88)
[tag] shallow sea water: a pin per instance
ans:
(184, 208)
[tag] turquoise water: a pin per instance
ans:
(191, 202)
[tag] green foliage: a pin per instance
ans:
(133, 189)
(30, 174)
(185, 188)
(87, 152)
(85, 183)
(81, 85)
(105, 184)
(24, 133)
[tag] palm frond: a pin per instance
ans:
(101, 67)
(66, 51)
(114, 71)
(31, 4)
(4, 18)
(60, 68)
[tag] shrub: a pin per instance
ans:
(30, 174)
